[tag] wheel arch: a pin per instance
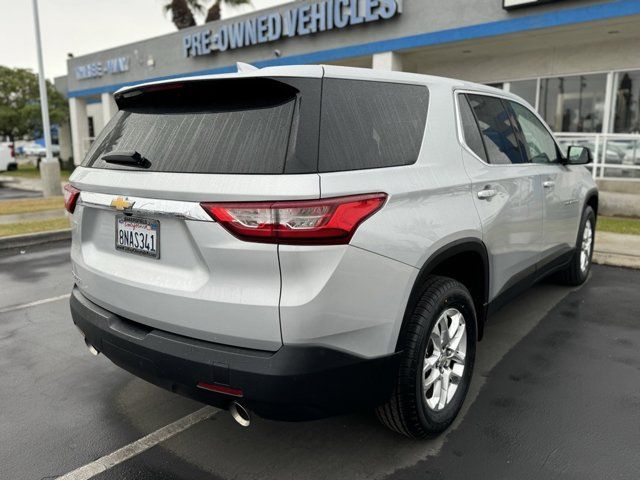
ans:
(591, 200)
(459, 260)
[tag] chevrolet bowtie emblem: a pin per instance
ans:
(121, 203)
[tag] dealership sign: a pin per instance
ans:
(98, 69)
(296, 21)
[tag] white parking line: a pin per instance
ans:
(139, 446)
(33, 304)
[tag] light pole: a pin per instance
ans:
(49, 168)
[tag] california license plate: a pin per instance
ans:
(138, 235)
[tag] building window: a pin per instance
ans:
(525, 89)
(627, 102)
(92, 130)
(573, 104)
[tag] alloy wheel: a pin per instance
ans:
(444, 360)
(586, 246)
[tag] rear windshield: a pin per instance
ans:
(236, 126)
(266, 126)
(370, 124)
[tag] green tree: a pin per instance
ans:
(20, 113)
(213, 12)
(183, 12)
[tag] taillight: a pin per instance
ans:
(330, 221)
(70, 197)
(12, 152)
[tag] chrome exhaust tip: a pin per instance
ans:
(240, 414)
(92, 350)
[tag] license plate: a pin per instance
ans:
(138, 235)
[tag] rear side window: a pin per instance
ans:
(470, 128)
(498, 135)
(366, 124)
(238, 126)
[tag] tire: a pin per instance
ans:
(409, 411)
(574, 273)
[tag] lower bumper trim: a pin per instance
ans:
(294, 383)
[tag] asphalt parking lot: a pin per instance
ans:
(556, 394)
(8, 193)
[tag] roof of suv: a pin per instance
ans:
(334, 71)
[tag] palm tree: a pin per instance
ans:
(182, 12)
(213, 13)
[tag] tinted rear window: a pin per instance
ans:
(236, 126)
(368, 124)
(267, 126)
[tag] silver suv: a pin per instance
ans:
(306, 241)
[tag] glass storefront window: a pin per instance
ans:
(627, 101)
(576, 104)
(525, 89)
(573, 104)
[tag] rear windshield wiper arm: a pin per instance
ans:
(131, 158)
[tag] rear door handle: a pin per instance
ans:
(548, 184)
(486, 193)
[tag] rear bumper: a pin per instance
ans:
(294, 383)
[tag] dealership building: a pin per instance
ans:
(576, 61)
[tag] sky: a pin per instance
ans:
(85, 26)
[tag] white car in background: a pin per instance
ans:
(37, 150)
(7, 157)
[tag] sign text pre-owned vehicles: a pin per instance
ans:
(297, 20)
(305, 241)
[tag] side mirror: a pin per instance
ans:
(577, 155)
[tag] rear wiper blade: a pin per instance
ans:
(129, 157)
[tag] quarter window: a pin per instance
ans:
(368, 124)
(498, 134)
(539, 144)
(470, 128)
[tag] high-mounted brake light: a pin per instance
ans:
(162, 86)
(71, 195)
(330, 221)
